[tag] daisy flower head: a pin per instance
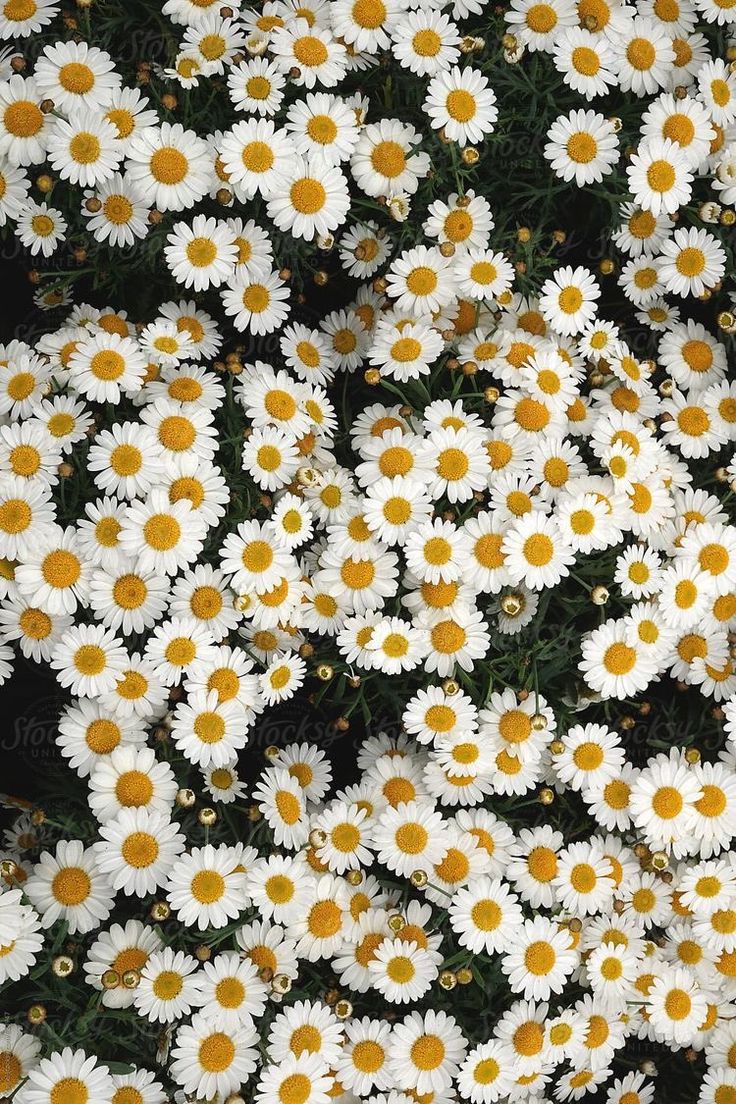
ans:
(410, 837)
(460, 639)
(638, 572)
(205, 728)
(685, 121)
(75, 75)
(613, 664)
(436, 550)
(461, 104)
(127, 109)
(160, 535)
(609, 800)
(202, 254)
(659, 177)
(676, 1006)
(537, 25)
(692, 427)
(28, 450)
(432, 714)
(486, 916)
(323, 128)
(540, 959)
(256, 86)
(70, 885)
(278, 887)
(712, 549)
(641, 231)
(130, 777)
(282, 678)
(215, 40)
(307, 352)
(69, 1071)
(271, 456)
(421, 281)
(213, 1060)
(205, 889)
(404, 349)
(692, 356)
(256, 302)
(169, 986)
(254, 155)
(585, 61)
(363, 251)
(691, 262)
(582, 147)
(568, 300)
(401, 972)
(41, 228)
(585, 520)
(115, 212)
(24, 128)
(284, 807)
(425, 42)
(137, 849)
(384, 161)
(663, 801)
(396, 645)
(642, 52)
(592, 756)
(84, 149)
(483, 274)
(307, 1071)
(323, 926)
(426, 1051)
(53, 576)
(536, 552)
(584, 881)
(292, 521)
(717, 88)
(363, 1064)
(19, 20)
(486, 567)
(13, 192)
(21, 1052)
(88, 660)
(319, 57)
(171, 166)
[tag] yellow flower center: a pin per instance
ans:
(168, 166)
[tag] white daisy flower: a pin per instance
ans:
(84, 149)
(659, 177)
(169, 986)
(41, 228)
(70, 885)
(540, 959)
(425, 42)
(582, 147)
(68, 1072)
(384, 163)
(137, 850)
(691, 262)
(75, 75)
(171, 166)
(426, 1051)
(461, 104)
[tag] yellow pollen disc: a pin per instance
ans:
(76, 77)
(310, 51)
(168, 166)
(71, 886)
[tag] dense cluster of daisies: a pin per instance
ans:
(190, 534)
